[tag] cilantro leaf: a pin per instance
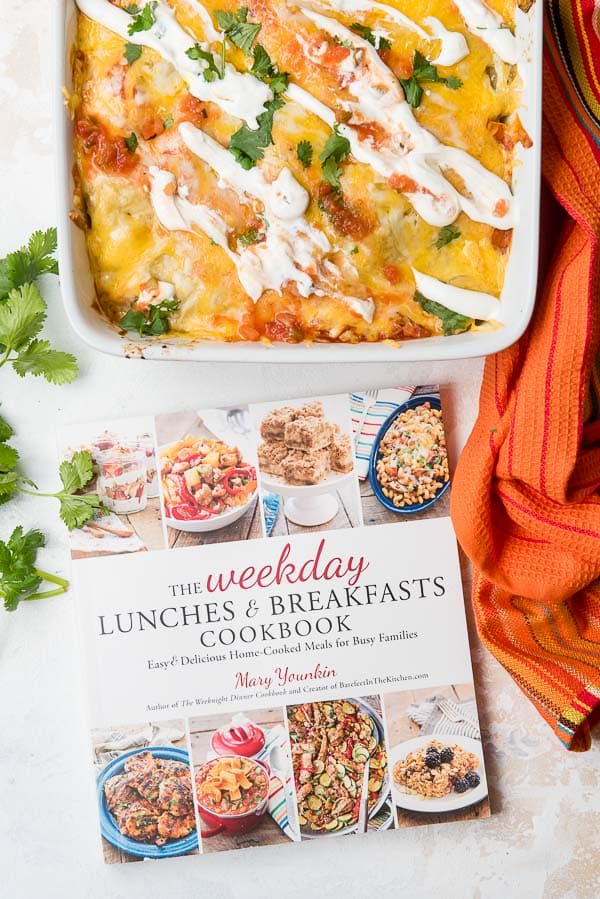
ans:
(8, 457)
(168, 122)
(240, 32)
(376, 40)
(40, 359)
(304, 152)
(19, 576)
(452, 322)
(334, 152)
(76, 510)
(131, 142)
(247, 145)
(22, 316)
(132, 53)
(78, 472)
(453, 82)
(151, 323)
(28, 263)
(261, 65)
(5, 430)
(142, 21)
(412, 91)
(446, 235)
(211, 71)
(423, 70)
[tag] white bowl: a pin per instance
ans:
(215, 522)
(519, 287)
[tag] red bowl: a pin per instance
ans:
(213, 822)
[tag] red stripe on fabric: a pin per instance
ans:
(550, 368)
(550, 521)
(587, 37)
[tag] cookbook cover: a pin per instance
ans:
(273, 625)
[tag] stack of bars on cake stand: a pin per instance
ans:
(309, 457)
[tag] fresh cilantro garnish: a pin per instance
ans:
(76, 508)
(354, 251)
(377, 41)
(334, 153)
(19, 576)
(250, 236)
(132, 52)
(211, 71)
(131, 142)
(452, 322)
(424, 71)
(261, 65)
(151, 323)
(304, 152)
(168, 122)
(446, 235)
(247, 145)
(142, 21)
(22, 316)
(237, 28)
(28, 263)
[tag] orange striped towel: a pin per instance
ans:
(525, 500)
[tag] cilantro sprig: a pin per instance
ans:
(452, 322)
(212, 70)
(446, 235)
(334, 153)
(23, 312)
(240, 32)
(76, 508)
(28, 263)
(151, 322)
(304, 152)
(20, 577)
(248, 145)
(424, 71)
(132, 53)
(266, 70)
(143, 19)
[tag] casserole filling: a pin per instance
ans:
(323, 170)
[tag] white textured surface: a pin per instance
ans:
(543, 840)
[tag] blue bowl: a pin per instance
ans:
(108, 825)
(412, 403)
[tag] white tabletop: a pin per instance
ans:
(542, 838)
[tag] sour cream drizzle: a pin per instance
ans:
(293, 251)
(409, 150)
(238, 94)
(489, 26)
(472, 303)
(453, 44)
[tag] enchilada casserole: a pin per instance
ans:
(311, 170)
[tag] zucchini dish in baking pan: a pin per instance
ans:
(307, 171)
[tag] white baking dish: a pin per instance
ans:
(519, 288)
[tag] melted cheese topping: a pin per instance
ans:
(273, 251)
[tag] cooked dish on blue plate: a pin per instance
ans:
(412, 463)
(151, 799)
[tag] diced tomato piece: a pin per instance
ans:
(346, 218)
(391, 272)
(110, 154)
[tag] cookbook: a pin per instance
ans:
(272, 624)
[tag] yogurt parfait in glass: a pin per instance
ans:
(122, 478)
